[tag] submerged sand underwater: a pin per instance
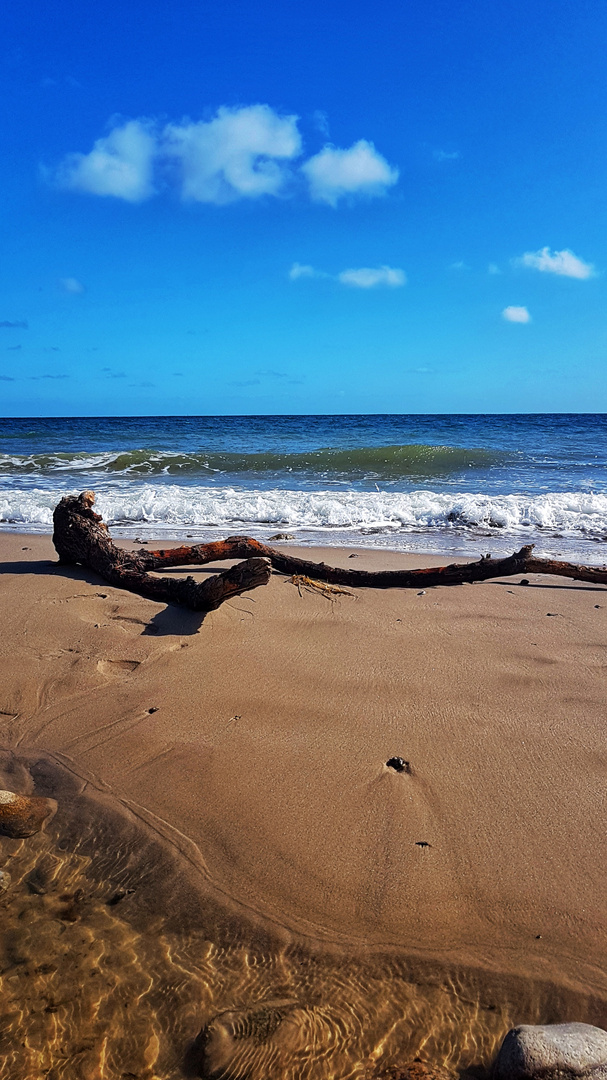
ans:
(231, 849)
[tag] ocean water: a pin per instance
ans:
(454, 484)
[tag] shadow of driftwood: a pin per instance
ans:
(172, 620)
(50, 568)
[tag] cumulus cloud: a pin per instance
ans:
(564, 263)
(334, 174)
(120, 164)
(241, 153)
(72, 285)
(516, 314)
(368, 277)
(364, 277)
(6, 378)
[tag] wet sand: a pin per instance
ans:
(433, 907)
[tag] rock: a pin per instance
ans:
(398, 764)
(282, 536)
(23, 815)
(554, 1052)
(5, 880)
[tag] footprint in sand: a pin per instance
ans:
(117, 667)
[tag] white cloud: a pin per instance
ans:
(299, 271)
(564, 263)
(120, 164)
(72, 285)
(493, 268)
(334, 174)
(368, 277)
(239, 154)
(516, 314)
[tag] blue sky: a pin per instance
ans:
(296, 208)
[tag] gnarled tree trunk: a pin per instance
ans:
(81, 536)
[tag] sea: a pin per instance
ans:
(452, 484)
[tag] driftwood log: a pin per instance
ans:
(81, 536)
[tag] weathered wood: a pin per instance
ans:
(239, 547)
(81, 536)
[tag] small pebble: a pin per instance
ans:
(422, 593)
(353, 556)
(524, 581)
(398, 764)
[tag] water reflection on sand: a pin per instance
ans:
(111, 963)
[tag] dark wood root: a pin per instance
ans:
(81, 536)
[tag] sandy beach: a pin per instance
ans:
(251, 744)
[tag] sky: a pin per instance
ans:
(237, 208)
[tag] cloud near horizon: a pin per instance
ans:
(563, 263)
(516, 314)
(364, 277)
(241, 153)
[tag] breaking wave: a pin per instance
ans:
(574, 514)
(370, 461)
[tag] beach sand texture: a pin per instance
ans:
(249, 749)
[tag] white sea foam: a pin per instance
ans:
(580, 514)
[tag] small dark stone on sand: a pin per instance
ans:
(597, 605)
(353, 556)
(282, 536)
(422, 843)
(153, 709)
(524, 581)
(119, 895)
(398, 764)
